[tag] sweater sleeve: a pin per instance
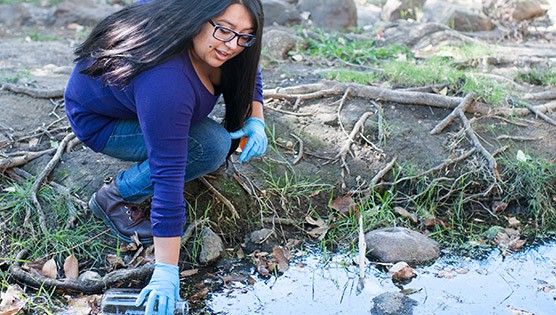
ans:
(165, 103)
(258, 93)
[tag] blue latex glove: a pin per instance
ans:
(164, 287)
(257, 141)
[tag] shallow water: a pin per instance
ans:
(521, 283)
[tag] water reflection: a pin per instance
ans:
(522, 283)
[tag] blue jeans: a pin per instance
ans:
(208, 148)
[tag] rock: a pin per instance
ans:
(458, 17)
(368, 15)
(401, 9)
(278, 43)
(263, 240)
(280, 12)
(400, 244)
(212, 247)
(89, 276)
(14, 15)
(330, 14)
(83, 12)
(393, 303)
(529, 9)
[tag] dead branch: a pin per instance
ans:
(220, 197)
(537, 112)
(33, 92)
(546, 95)
(40, 178)
(475, 140)
(342, 155)
(331, 88)
(465, 103)
(20, 158)
(288, 112)
(380, 134)
(518, 138)
(116, 278)
(300, 152)
(377, 177)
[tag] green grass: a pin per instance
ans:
(37, 36)
(539, 76)
(62, 239)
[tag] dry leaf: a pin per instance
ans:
(282, 257)
(189, 273)
(50, 269)
(405, 214)
(82, 304)
(12, 301)
(513, 222)
(71, 267)
(499, 206)
(321, 229)
(342, 204)
(115, 261)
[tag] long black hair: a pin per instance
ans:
(141, 36)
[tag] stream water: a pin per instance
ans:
(520, 283)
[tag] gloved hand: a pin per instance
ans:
(164, 287)
(257, 141)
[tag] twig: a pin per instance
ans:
(288, 112)
(518, 138)
(40, 178)
(20, 158)
(374, 181)
(465, 103)
(220, 197)
(351, 138)
(339, 110)
(34, 92)
(537, 112)
(469, 131)
(380, 134)
(300, 152)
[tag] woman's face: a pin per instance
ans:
(214, 52)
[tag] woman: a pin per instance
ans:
(145, 81)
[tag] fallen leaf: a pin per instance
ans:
(513, 222)
(282, 257)
(189, 272)
(50, 269)
(115, 261)
(342, 204)
(71, 267)
(405, 214)
(321, 229)
(83, 305)
(499, 206)
(12, 301)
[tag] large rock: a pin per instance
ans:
(397, 244)
(278, 43)
(330, 14)
(280, 12)
(401, 9)
(459, 17)
(212, 247)
(515, 10)
(83, 12)
(393, 303)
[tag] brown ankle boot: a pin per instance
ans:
(121, 216)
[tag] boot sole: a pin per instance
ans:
(99, 213)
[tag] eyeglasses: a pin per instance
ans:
(224, 34)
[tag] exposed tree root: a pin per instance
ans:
(118, 278)
(40, 178)
(220, 197)
(21, 158)
(33, 92)
(331, 88)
